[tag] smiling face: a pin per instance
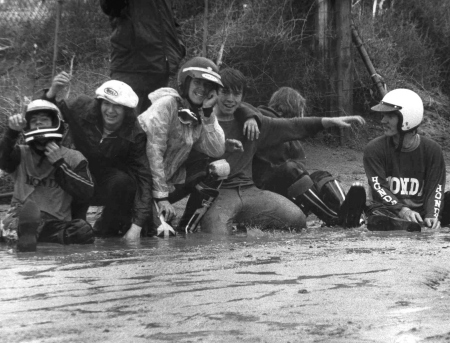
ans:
(112, 115)
(390, 123)
(199, 90)
(228, 101)
(41, 120)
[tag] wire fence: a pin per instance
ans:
(273, 48)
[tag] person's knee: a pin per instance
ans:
(122, 186)
(216, 224)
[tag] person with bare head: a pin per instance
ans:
(239, 200)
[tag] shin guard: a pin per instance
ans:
(307, 195)
(199, 202)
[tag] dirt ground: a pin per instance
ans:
(320, 285)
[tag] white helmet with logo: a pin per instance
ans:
(117, 92)
(407, 104)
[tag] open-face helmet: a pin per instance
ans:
(44, 134)
(197, 68)
(117, 92)
(406, 104)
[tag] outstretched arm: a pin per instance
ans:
(346, 121)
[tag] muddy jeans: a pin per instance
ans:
(250, 205)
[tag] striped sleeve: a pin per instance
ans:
(77, 182)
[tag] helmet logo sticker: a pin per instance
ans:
(210, 77)
(110, 91)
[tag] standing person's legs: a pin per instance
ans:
(142, 84)
(268, 209)
(115, 190)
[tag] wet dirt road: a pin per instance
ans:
(320, 285)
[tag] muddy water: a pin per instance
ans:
(319, 285)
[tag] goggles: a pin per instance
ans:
(187, 117)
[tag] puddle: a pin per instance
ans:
(115, 250)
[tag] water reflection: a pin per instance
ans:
(114, 248)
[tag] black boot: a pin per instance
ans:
(353, 206)
(305, 195)
(199, 202)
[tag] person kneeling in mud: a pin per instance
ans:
(406, 171)
(282, 169)
(239, 200)
(47, 177)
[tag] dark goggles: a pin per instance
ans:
(187, 117)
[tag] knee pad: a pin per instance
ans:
(320, 194)
(330, 189)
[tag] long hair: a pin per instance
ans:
(288, 102)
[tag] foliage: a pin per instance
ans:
(272, 42)
(402, 54)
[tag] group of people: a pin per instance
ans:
(141, 146)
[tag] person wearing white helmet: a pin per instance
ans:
(178, 122)
(47, 179)
(106, 131)
(406, 171)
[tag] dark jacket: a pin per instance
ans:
(75, 180)
(124, 149)
(265, 161)
(144, 37)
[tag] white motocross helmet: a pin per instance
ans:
(43, 134)
(407, 104)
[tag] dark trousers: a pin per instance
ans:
(142, 84)
(115, 190)
(281, 177)
(374, 207)
(76, 231)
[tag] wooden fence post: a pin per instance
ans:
(344, 62)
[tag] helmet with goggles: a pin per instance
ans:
(117, 92)
(198, 68)
(406, 104)
(46, 133)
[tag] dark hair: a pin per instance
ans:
(288, 102)
(130, 113)
(233, 80)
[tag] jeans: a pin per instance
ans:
(250, 205)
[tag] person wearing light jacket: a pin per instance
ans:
(178, 122)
